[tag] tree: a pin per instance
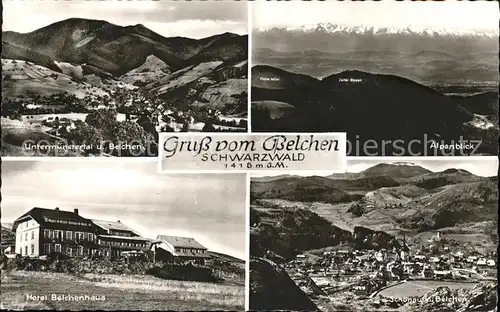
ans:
(243, 123)
(84, 134)
(128, 132)
(185, 127)
(208, 127)
(356, 209)
(167, 128)
(103, 119)
(63, 132)
(145, 122)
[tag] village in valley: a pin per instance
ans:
(346, 274)
(99, 80)
(395, 236)
(113, 112)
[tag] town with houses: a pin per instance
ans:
(364, 274)
(42, 233)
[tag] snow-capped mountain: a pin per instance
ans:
(332, 28)
(402, 163)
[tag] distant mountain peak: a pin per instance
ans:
(396, 169)
(404, 163)
(455, 170)
(328, 27)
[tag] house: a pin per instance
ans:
(115, 238)
(433, 259)
(481, 261)
(178, 249)
(42, 231)
(472, 259)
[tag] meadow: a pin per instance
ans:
(420, 288)
(120, 292)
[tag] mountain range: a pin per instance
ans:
(100, 53)
(391, 197)
(359, 102)
(377, 208)
(329, 27)
(339, 38)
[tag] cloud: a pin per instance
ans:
(197, 28)
(187, 19)
(477, 15)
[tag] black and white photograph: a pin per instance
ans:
(402, 78)
(104, 78)
(388, 235)
(109, 235)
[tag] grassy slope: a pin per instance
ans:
(122, 293)
(21, 78)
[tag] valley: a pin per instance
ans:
(357, 102)
(384, 238)
(143, 83)
(333, 76)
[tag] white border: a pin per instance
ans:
(139, 159)
(247, 244)
(249, 74)
(430, 157)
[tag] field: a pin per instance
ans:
(420, 288)
(335, 213)
(131, 292)
(187, 76)
(28, 77)
(449, 77)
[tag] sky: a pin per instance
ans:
(481, 166)
(169, 18)
(209, 208)
(463, 15)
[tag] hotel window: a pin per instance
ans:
(32, 234)
(80, 250)
(46, 248)
(26, 250)
(26, 236)
(58, 235)
(46, 233)
(91, 237)
(57, 248)
(69, 251)
(32, 248)
(85, 235)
